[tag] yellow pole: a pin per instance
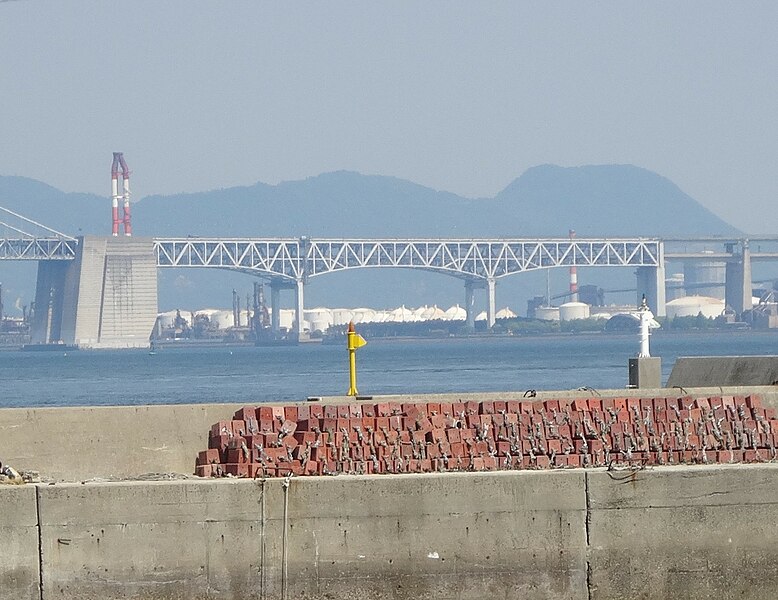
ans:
(353, 341)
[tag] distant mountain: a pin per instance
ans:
(609, 200)
(604, 200)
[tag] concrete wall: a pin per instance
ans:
(73, 444)
(692, 371)
(664, 533)
(19, 564)
(692, 533)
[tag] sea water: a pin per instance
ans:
(173, 375)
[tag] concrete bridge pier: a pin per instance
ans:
(275, 307)
(651, 282)
(738, 291)
(105, 298)
(470, 304)
(490, 302)
(49, 296)
(470, 286)
(299, 313)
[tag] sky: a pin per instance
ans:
(458, 96)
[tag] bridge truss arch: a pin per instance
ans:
(294, 259)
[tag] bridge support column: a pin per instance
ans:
(738, 282)
(49, 296)
(275, 308)
(469, 305)
(651, 283)
(490, 303)
(299, 310)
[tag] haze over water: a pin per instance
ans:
(251, 375)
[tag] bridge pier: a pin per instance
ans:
(651, 283)
(470, 304)
(490, 303)
(470, 286)
(275, 308)
(46, 325)
(738, 291)
(105, 298)
(299, 314)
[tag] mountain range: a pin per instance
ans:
(547, 200)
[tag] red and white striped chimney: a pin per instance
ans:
(115, 193)
(118, 161)
(573, 275)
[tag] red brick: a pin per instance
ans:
(424, 424)
(753, 402)
(205, 470)
(595, 404)
(471, 407)
(580, 404)
(542, 462)
(433, 408)
(316, 411)
(447, 409)
(247, 412)
(457, 449)
(438, 421)
(343, 411)
(436, 435)
(206, 457)
(237, 469)
(221, 428)
(288, 427)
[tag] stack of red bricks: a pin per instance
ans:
(391, 437)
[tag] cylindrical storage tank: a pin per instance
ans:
(691, 306)
(547, 313)
(165, 320)
(570, 311)
(223, 319)
(705, 278)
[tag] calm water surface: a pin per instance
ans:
(246, 374)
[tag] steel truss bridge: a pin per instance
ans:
(296, 259)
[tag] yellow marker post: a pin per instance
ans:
(353, 341)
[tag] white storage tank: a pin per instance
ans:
(691, 306)
(570, 311)
(547, 313)
(223, 319)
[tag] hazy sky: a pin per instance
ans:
(460, 96)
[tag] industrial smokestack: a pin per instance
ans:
(115, 193)
(573, 275)
(118, 161)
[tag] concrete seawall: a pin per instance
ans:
(671, 532)
(81, 443)
(657, 533)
